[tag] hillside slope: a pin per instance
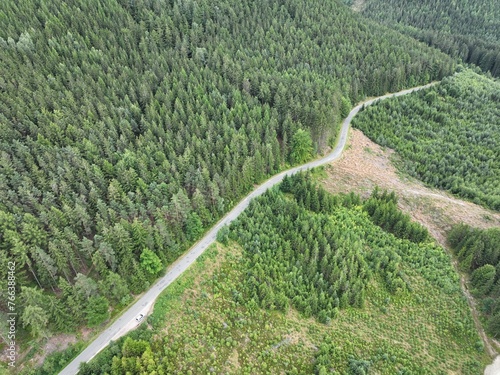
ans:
(127, 127)
(312, 286)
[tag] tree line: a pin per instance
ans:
(298, 247)
(299, 252)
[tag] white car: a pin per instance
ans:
(139, 317)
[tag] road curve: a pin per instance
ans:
(126, 322)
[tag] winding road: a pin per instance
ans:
(126, 322)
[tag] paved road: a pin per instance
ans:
(494, 368)
(127, 321)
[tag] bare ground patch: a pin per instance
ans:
(55, 343)
(358, 5)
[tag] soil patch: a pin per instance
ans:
(54, 344)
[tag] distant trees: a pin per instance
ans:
(464, 29)
(36, 319)
(482, 279)
(302, 147)
(114, 287)
(223, 235)
(359, 366)
(383, 210)
(150, 262)
(307, 253)
(324, 358)
(97, 311)
(194, 226)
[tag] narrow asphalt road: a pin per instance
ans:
(127, 321)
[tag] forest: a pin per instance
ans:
(129, 127)
(469, 30)
(478, 251)
(446, 136)
(305, 282)
(317, 263)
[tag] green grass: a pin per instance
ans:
(170, 299)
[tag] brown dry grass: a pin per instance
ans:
(301, 325)
(233, 362)
(55, 343)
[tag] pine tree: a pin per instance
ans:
(301, 147)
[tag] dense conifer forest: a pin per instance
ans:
(447, 136)
(128, 127)
(466, 29)
(309, 284)
(478, 252)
